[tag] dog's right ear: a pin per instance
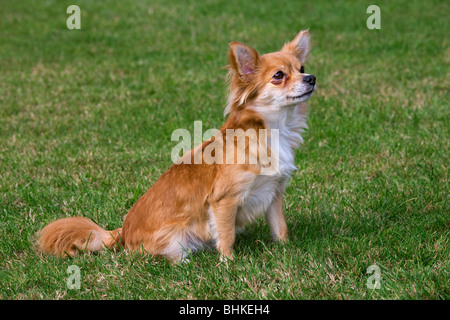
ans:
(243, 59)
(300, 46)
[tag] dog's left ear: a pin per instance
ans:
(243, 59)
(299, 47)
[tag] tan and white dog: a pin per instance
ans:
(197, 203)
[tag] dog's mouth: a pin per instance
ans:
(302, 95)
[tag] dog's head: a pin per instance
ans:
(274, 80)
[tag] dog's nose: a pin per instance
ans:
(310, 79)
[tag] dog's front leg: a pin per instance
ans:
(275, 219)
(224, 215)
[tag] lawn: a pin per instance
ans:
(86, 118)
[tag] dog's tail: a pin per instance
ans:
(68, 236)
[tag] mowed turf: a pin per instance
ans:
(86, 118)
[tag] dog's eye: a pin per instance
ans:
(279, 75)
(302, 69)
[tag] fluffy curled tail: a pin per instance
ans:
(67, 236)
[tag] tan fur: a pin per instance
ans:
(67, 236)
(193, 204)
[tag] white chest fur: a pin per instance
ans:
(290, 123)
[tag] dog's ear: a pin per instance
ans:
(299, 47)
(243, 59)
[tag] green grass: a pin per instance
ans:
(86, 118)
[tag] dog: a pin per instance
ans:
(194, 204)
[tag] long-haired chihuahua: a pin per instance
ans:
(199, 202)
